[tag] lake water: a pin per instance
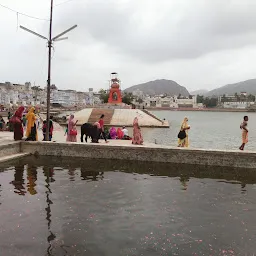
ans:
(209, 130)
(55, 206)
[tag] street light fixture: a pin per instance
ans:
(50, 41)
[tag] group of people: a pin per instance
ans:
(71, 131)
(120, 134)
(30, 123)
(183, 140)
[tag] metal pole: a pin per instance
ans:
(49, 76)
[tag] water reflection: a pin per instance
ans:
(19, 182)
(91, 175)
(32, 178)
(243, 188)
(71, 173)
(49, 173)
(77, 219)
(184, 182)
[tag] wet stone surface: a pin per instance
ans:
(56, 206)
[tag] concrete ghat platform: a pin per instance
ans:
(120, 117)
(147, 153)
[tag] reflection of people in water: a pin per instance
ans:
(183, 181)
(18, 181)
(243, 187)
(91, 175)
(71, 173)
(49, 173)
(32, 178)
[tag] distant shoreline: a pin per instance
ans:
(201, 109)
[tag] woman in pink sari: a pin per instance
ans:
(112, 133)
(137, 137)
(72, 132)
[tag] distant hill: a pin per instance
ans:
(199, 92)
(158, 87)
(248, 86)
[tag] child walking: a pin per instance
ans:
(66, 131)
(44, 129)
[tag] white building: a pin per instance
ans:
(68, 97)
(138, 93)
(18, 94)
(170, 102)
(241, 101)
(64, 97)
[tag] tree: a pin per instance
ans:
(251, 98)
(127, 98)
(210, 102)
(139, 100)
(103, 95)
(223, 98)
(199, 99)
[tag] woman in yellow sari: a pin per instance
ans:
(184, 127)
(31, 131)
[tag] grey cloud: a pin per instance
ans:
(205, 27)
(142, 40)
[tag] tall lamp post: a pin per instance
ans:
(50, 41)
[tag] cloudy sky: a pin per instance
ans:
(201, 44)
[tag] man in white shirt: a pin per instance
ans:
(125, 132)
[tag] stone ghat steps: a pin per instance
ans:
(152, 115)
(13, 157)
(96, 113)
(10, 151)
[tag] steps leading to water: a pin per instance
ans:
(150, 114)
(10, 151)
(96, 113)
(12, 157)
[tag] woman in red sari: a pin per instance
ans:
(17, 123)
(137, 137)
(120, 134)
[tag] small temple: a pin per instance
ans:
(115, 95)
(118, 113)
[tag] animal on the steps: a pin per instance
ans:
(90, 130)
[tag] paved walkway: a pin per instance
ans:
(58, 136)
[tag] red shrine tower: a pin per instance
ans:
(115, 96)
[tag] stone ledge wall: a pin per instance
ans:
(10, 149)
(142, 153)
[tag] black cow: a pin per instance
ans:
(90, 130)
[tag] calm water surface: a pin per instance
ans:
(52, 206)
(209, 130)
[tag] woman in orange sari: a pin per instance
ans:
(31, 132)
(137, 137)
